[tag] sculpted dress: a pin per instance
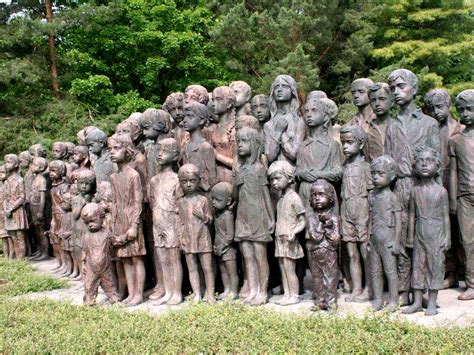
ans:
(126, 209)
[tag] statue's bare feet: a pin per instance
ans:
(209, 298)
(377, 304)
(413, 309)
(42, 257)
(251, 296)
(126, 301)
(163, 299)
(362, 297)
(175, 300)
(467, 295)
(259, 300)
(290, 300)
(223, 295)
(404, 298)
(391, 307)
(352, 296)
(135, 301)
(431, 311)
(157, 294)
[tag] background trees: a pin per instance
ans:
(116, 57)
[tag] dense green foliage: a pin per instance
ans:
(119, 56)
(18, 277)
(222, 328)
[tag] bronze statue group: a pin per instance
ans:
(251, 192)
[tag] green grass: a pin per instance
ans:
(21, 278)
(48, 326)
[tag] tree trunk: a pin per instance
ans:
(52, 50)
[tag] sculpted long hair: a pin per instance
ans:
(256, 144)
(294, 103)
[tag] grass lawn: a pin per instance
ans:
(20, 279)
(49, 326)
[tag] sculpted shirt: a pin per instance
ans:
(376, 137)
(402, 137)
(103, 168)
(461, 147)
(14, 195)
(446, 131)
(360, 120)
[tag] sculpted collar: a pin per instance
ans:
(418, 114)
(323, 139)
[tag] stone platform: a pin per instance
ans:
(452, 312)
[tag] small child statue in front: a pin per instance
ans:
(60, 185)
(385, 226)
(126, 223)
(224, 249)
(255, 220)
(461, 183)
(356, 184)
(85, 187)
(429, 230)
(163, 194)
(97, 263)
(195, 217)
(290, 222)
(7, 243)
(322, 244)
(65, 234)
(38, 205)
(16, 221)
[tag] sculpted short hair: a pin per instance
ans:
(379, 86)
(13, 157)
(25, 155)
(406, 75)
(169, 144)
(155, 117)
(201, 91)
(91, 209)
(282, 167)
(222, 188)
(363, 81)
(328, 106)
(244, 85)
(37, 150)
(59, 165)
(437, 95)
(200, 110)
(189, 169)
(96, 135)
(388, 163)
(172, 100)
(40, 161)
(328, 187)
(425, 149)
(227, 91)
(316, 94)
(358, 133)
(86, 174)
(466, 96)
